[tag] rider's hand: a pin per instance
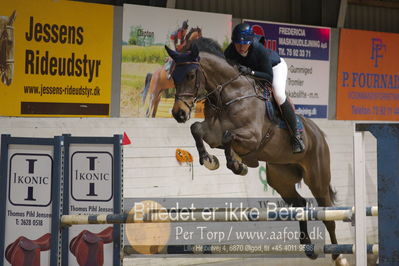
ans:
(245, 70)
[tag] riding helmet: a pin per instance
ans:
(242, 34)
(185, 24)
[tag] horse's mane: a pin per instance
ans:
(209, 45)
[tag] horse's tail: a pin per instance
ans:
(146, 86)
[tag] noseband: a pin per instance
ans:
(180, 96)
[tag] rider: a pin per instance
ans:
(178, 37)
(254, 59)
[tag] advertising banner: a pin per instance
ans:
(306, 49)
(368, 76)
(55, 58)
(146, 87)
(30, 178)
(92, 186)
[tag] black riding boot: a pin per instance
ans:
(289, 116)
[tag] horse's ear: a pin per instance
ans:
(12, 18)
(194, 52)
(170, 52)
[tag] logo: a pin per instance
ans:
(378, 50)
(30, 179)
(91, 176)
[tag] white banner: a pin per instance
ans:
(306, 49)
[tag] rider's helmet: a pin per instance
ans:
(185, 25)
(242, 34)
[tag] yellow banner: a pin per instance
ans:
(55, 58)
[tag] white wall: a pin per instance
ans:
(151, 169)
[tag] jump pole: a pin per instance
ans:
(254, 249)
(262, 215)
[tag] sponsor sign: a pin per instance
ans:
(57, 60)
(30, 173)
(368, 76)
(306, 50)
(91, 183)
(146, 88)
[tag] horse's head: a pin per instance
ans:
(187, 82)
(7, 48)
(194, 34)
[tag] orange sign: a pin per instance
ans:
(368, 76)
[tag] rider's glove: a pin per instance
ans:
(245, 70)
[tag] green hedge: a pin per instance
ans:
(148, 54)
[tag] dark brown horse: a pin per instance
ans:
(236, 121)
(159, 81)
(7, 48)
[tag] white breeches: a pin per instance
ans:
(280, 72)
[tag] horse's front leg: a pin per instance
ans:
(200, 131)
(241, 140)
(231, 157)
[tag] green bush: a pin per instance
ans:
(147, 54)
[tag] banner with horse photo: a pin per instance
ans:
(147, 89)
(55, 58)
(306, 49)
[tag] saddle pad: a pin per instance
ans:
(274, 114)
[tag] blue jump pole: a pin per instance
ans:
(387, 136)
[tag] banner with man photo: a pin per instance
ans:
(55, 58)
(306, 49)
(147, 89)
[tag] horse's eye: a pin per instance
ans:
(190, 76)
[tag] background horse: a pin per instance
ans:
(159, 81)
(236, 121)
(7, 48)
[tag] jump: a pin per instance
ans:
(236, 121)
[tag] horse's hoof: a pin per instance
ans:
(244, 170)
(212, 162)
(311, 255)
(341, 261)
(237, 168)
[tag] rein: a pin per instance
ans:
(218, 89)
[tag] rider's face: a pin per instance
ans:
(242, 48)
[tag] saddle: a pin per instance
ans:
(273, 111)
(274, 114)
(169, 67)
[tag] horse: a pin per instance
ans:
(160, 80)
(7, 48)
(236, 121)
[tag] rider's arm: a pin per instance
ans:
(264, 68)
(263, 75)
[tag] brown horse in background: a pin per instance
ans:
(236, 121)
(7, 48)
(160, 80)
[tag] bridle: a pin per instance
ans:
(194, 93)
(5, 35)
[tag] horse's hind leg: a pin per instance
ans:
(146, 85)
(155, 104)
(199, 132)
(319, 184)
(324, 199)
(283, 179)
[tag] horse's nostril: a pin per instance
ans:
(182, 114)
